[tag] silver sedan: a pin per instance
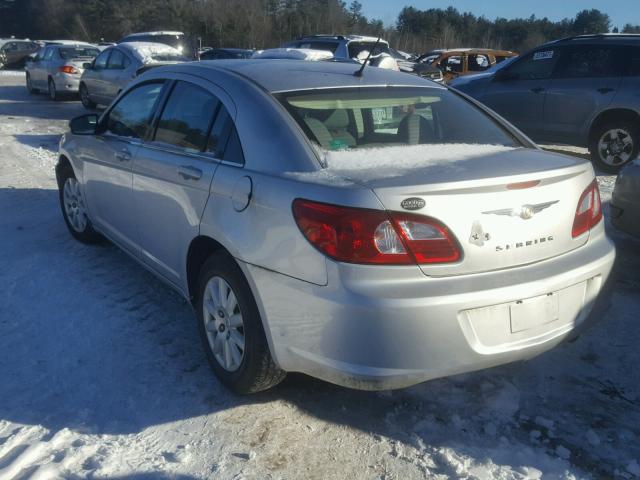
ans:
(57, 68)
(112, 70)
(375, 231)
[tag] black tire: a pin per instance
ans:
(30, 88)
(630, 131)
(86, 234)
(53, 93)
(84, 97)
(257, 371)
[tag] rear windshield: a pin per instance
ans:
(68, 53)
(168, 57)
(361, 118)
(173, 40)
(356, 48)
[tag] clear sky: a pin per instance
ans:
(620, 11)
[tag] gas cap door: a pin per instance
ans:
(241, 195)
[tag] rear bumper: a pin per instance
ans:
(66, 83)
(370, 332)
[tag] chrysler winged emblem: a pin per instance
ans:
(525, 211)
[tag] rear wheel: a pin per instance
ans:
(53, 93)
(614, 144)
(231, 328)
(84, 97)
(74, 208)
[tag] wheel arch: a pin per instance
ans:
(613, 114)
(200, 248)
(63, 163)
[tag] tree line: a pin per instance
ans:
(269, 23)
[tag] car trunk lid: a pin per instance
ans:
(506, 207)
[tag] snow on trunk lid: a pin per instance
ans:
(481, 194)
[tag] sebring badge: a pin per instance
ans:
(525, 211)
(412, 203)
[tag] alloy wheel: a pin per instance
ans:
(615, 147)
(223, 324)
(74, 206)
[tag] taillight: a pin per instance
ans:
(358, 235)
(589, 210)
(69, 69)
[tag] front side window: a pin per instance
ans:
(187, 117)
(588, 61)
(101, 60)
(48, 54)
(364, 118)
(131, 116)
(536, 65)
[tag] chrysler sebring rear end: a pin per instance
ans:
(389, 230)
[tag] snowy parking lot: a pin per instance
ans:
(102, 373)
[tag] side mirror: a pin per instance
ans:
(87, 65)
(84, 124)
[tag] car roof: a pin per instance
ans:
(160, 32)
(339, 38)
(288, 75)
(609, 38)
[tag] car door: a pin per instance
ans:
(107, 162)
(36, 70)
(518, 91)
(584, 83)
(93, 78)
(114, 75)
(172, 174)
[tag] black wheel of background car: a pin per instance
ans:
(74, 209)
(30, 88)
(231, 328)
(53, 94)
(614, 144)
(84, 97)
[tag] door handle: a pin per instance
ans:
(190, 173)
(124, 155)
(605, 90)
(537, 90)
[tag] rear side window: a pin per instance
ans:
(187, 117)
(48, 54)
(452, 64)
(588, 61)
(117, 60)
(101, 60)
(631, 57)
(131, 116)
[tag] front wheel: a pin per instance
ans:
(614, 144)
(30, 88)
(74, 209)
(231, 328)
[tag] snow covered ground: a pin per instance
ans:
(102, 374)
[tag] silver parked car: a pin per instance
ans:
(111, 71)
(57, 68)
(579, 91)
(374, 231)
